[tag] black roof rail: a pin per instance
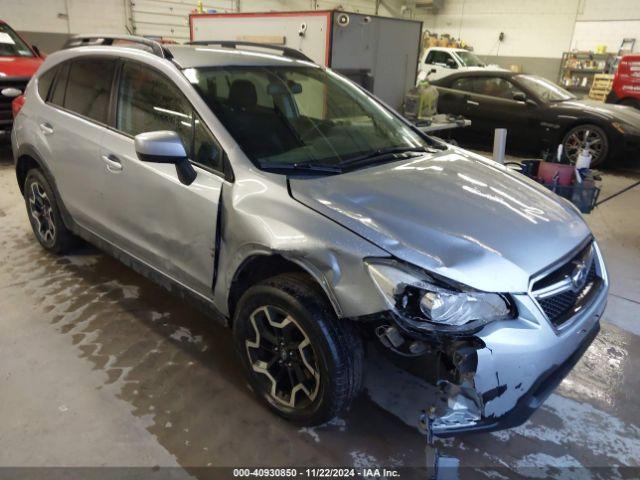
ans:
(90, 40)
(286, 51)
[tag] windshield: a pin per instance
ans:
(469, 59)
(544, 89)
(291, 115)
(11, 45)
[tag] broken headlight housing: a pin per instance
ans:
(428, 304)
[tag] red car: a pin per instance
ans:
(18, 62)
(626, 82)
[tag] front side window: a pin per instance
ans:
(89, 87)
(11, 45)
(147, 102)
(495, 87)
(464, 84)
(286, 115)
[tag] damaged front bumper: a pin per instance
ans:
(496, 378)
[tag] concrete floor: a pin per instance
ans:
(100, 367)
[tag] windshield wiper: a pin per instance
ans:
(381, 155)
(303, 166)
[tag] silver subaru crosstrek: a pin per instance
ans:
(312, 219)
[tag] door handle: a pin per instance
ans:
(471, 102)
(46, 128)
(113, 163)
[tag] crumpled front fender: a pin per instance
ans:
(511, 368)
(497, 377)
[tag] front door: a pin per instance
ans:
(151, 214)
(495, 102)
(442, 62)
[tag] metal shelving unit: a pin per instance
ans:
(578, 69)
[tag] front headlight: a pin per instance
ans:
(427, 304)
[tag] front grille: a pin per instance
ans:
(20, 83)
(567, 301)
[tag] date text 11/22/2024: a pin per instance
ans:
(369, 472)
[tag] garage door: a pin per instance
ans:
(168, 19)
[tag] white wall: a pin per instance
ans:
(534, 28)
(64, 16)
(610, 34)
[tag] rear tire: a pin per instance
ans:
(44, 214)
(303, 362)
(587, 136)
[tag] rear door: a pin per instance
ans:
(71, 129)
(150, 213)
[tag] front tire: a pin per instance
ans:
(303, 362)
(590, 137)
(44, 214)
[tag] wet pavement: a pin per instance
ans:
(99, 366)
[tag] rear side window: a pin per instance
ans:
(60, 86)
(45, 81)
(89, 88)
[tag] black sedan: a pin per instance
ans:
(538, 114)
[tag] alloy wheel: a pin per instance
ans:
(41, 211)
(282, 356)
(584, 138)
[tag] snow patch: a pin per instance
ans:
(363, 460)
(582, 424)
(311, 432)
(184, 335)
(537, 465)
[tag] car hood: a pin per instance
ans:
(19, 66)
(606, 111)
(453, 213)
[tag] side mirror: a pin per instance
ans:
(451, 63)
(165, 146)
(11, 92)
(519, 97)
(37, 50)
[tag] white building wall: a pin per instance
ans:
(64, 16)
(534, 28)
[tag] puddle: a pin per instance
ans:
(177, 370)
